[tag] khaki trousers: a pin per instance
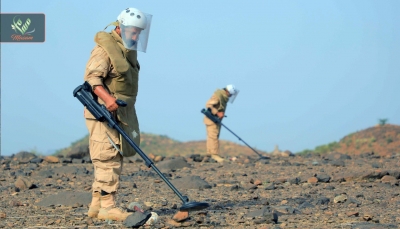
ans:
(107, 161)
(213, 131)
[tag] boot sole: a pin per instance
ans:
(101, 217)
(93, 215)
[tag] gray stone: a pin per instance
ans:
(172, 164)
(337, 163)
(191, 182)
(36, 160)
(136, 219)
(306, 205)
(295, 180)
(270, 187)
(67, 198)
(77, 161)
(323, 201)
(24, 157)
(259, 213)
(323, 178)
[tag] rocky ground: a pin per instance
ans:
(284, 191)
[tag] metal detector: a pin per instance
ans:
(85, 95)
(216, 120)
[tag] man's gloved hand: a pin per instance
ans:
(220, 115)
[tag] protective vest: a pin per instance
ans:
(217, 103)
(124, 86)
(223, 99)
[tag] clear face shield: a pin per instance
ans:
(135, 37)
(233, 96)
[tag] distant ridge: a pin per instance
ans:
(165, 146)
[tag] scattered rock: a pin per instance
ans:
(152, 220)
(287, 153)
(191, 182)
(51, 159)
(172, 164)
(66, 198)
(173, 223)
(340, 199)
(368, 216)
(136, 219)
(312, 180)
(389, 179)
(352, 213)
(23, 183)
(24, 157)
(242, 193)
(181, 216)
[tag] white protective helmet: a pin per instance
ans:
(233, 91)
(132, 17)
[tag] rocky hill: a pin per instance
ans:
(383, 140)
(165, 146)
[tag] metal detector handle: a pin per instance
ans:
(121, 103)
(86, 86)
(209, 115)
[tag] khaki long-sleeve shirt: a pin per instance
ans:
(217, 103)
(99, 67)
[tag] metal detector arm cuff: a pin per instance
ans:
(209, 115)
(86, 98)
(85, 95)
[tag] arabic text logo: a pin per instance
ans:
(21, 29)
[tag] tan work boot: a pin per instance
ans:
(108, 211)
(95, 205)
(217, 158)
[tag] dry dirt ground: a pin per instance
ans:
(330, 191)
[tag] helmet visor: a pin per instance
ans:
(233, 96)
(135, 38)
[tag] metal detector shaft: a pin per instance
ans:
(84, 94)
(216, 120)
(241, 140)
(149, 163)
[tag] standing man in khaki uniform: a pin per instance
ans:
(113, 73)
(217, 104)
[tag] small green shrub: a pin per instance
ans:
(36, 152)
(322, 149)
(383, 121)
(305, 152)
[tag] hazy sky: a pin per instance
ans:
(309, 72)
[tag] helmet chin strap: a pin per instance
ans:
(115, 23)
(130, 43)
